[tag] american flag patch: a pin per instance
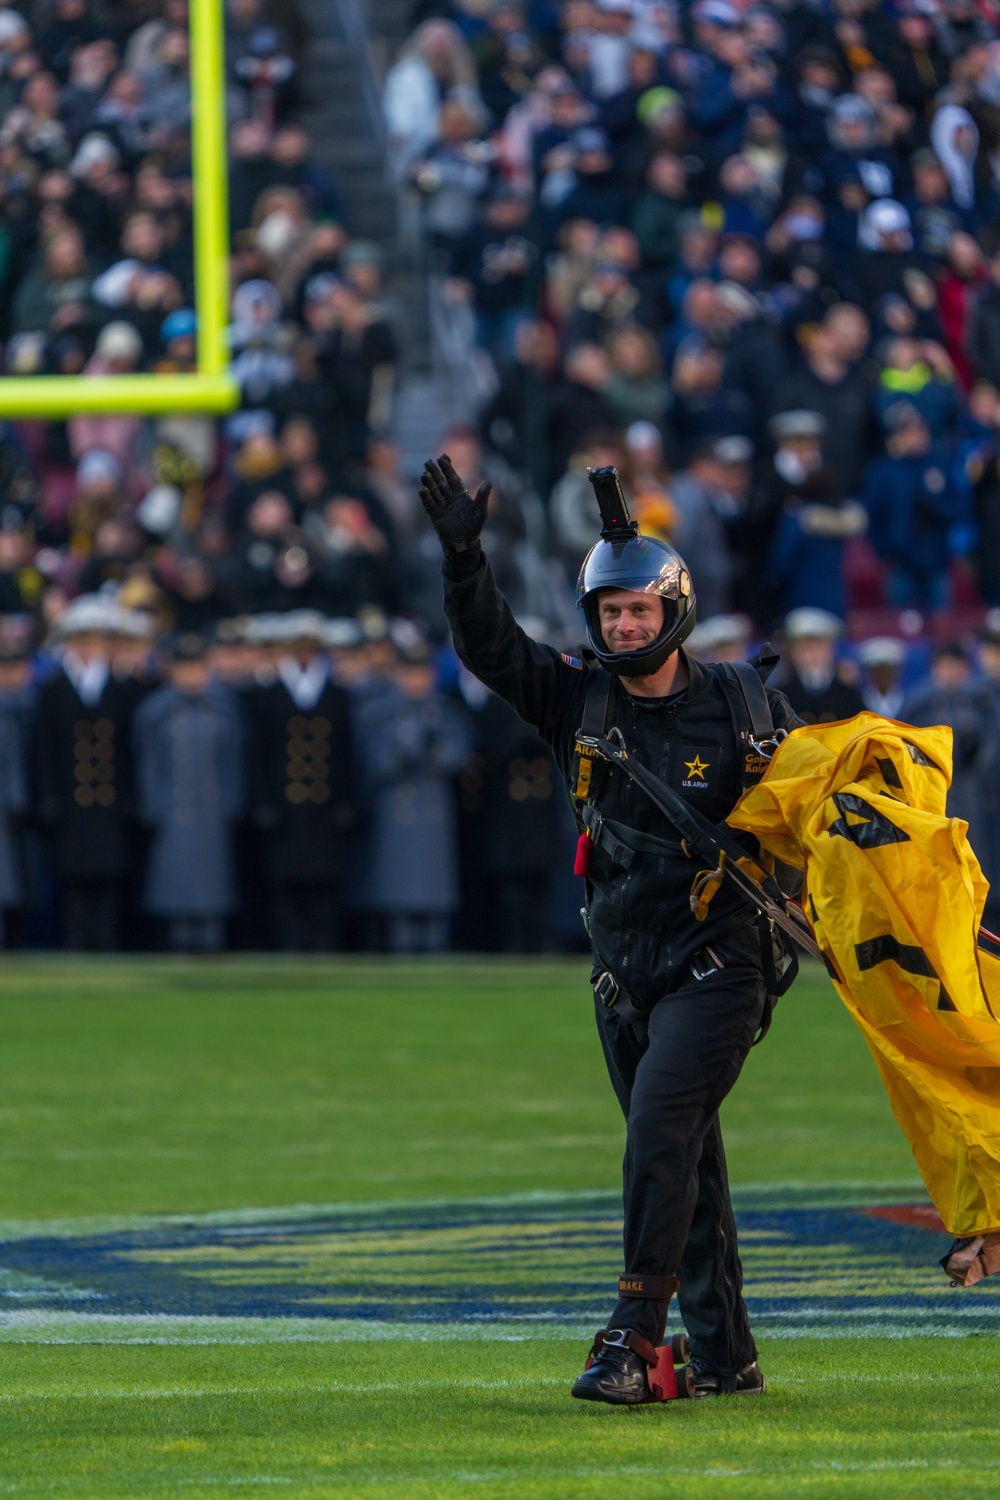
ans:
(572, 661)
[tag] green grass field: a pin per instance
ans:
(343, 1229)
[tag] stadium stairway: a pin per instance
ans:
(352, 43)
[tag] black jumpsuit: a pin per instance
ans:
(672, 1067)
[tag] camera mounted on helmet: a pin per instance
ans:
(611, 502)
(626, 560)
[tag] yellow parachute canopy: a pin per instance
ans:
(895, 895)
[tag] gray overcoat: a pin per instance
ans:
(190, 777)
(411, 750)
(13, 795)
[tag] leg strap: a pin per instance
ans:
(649, 1288)
(625, 1338)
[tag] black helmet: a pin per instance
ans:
(643, 565)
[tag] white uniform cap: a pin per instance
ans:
(90, 614)
(300, 625)
(264, 629)
(11, 25)
(119, 340)
(135, 624)
(343, 634)
(720, 630)
(881, 651)
(809, 624)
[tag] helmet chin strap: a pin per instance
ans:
(639, 669)
(622, 667)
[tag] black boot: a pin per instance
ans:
(746, 1382)
(618, 1372)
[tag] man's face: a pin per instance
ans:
(189, 677)
(989, 658)
(884, 676)
(89, 646)
(466, 455)
(813, 654)
(14, 675)
(909, 441)
(805, 449)
(304, 652)
(416, 680)
(950, 672)
(629, 621)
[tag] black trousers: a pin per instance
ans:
(671, 1073)
(92, 916)
(523, 911)
(306, 918)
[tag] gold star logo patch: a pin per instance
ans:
(696, 768)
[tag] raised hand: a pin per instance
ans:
(456, 516)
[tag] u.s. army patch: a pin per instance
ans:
(697, 770)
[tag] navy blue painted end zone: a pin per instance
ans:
(829, 1269)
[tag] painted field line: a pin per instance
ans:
(291, 1388)
(42, 1327)
(860, 1192)
(385, 1387)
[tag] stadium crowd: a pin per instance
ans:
(750, 254)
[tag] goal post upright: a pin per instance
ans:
(211, 389)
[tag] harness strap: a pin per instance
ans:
(755, 698)
(621, 843)
(753, 723)
(711, 841)
(654, 1288)
(595, 708)
(589, 773)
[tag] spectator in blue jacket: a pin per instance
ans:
(919, 372)
(913, 502)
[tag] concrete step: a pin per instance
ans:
(345, 113)
(350, 141)
(422, 415)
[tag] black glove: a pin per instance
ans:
(456, 516)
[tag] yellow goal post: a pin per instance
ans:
(211, 388)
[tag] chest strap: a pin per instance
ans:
(755, 732)
(590, 771)
(621, 843)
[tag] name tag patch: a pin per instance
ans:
(697, 770)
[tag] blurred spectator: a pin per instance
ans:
(188, 758)
(722, 638)
(636, 388)
(414, 742)
(708, 495)
(83, 764)
(816, 687)
(15, 799)
(882, 659)
(812, 521)
(984, 327)
(516, 823)
(951, 696)
(434, 63)
(912, 500)
(303, 788)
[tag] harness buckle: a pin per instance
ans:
(606, 988)
(705, 963)
(593, 821)
(767, 747)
